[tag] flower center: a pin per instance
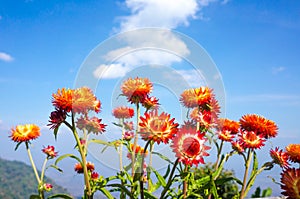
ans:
(157, 124)
(191, 146)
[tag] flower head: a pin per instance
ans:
(188, 145)
(227, 129)
(159, 128)
(128, 135)
(138, 150)
(50, 152)
(62, 99)
(279, 157)
(123, 112)
(259, 125)
(290, 183)
(56, 118)
(79, 169)
(93, 124)
(249, 139)
(25, 133)
(94, 175)
(237, 147)
(47, 187)
(293, 151)
(195, 97)
(136, 89)
(203, 117)
(150, 103)
(128, 126)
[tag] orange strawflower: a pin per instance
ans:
(227, 129)
(188, 145)
(293, 151)
(258, 124)
(123, 112)
(237, 147)
(249, 139)
(80, 100)
(290, 183)
(203, 117)
(138, 151)
(279, 157)
(195, 97)
(136, 90)
(150, 103)
(62, 99)
(25, 133)
(159, 128)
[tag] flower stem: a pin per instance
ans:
(169, 180)
(32, 163)
(150, 161)
(219, 155)
(142, 172)
(185, 185)
(247, 165)
(83, 158)
(121, 145)
(43, 169)
(135, 138)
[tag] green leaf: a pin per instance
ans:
(106, 193)
(159, 177)
(149, 195)
(60, 158)
(17, 146)
(123, 188)
(163, 157)
(119, 125)
(56, 167)
(65, 196)
(267, 192)
(34, 197)
(56, 131)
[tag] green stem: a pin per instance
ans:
(219, 155)
(43, 169)
(83, 158)
(121, 145)
(169, 180)
(32, 163)
(150, 161)
(185, 185)
(247, 166)
(142, 166)
(135, 138)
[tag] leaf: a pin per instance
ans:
(149, 195)
(267, 192)
(123, 188)
(34, 197)
(163, 157)
(17, 146)
(60, 196)
(159, 177)
(119, 125)
(106, 193)
(56, 167)
(56, 131)
(60, 158)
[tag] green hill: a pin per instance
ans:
(17, 181)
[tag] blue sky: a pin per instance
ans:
(254, 45)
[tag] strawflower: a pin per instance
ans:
(62, 99)
(159, 128)
(203, 117)
(227, 129)
(259, 125)
(136, 90)
(293, 151)
(195, 97)
(94, 175)
(279, 157)
(128, 135)
(56, 118)
(188, 145)
(47, 187)
(50, 151)
(123, 112)
(78, 167)
(237, 147)
(290, 183)
(249, 139)
(138, 151)
(25, 133)
(92, 125)
(84, 100)
(150, 103)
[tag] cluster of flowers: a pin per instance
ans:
(188, 141)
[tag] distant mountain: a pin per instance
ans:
(17, 181)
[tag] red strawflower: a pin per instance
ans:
(47, 187)
(94, 175)
(279, 157)
(249, 139)
(258, 124)
(128, 135)
(195, 97)
(290, 183)
(159, 128)
(150, 103)
(56, 118)
(203, 117)
(50, 151)
(25, 133)
(123, 112)
(227, 129)
(237, 147)
(79, 169)
(138, 151)
(136, 89)
(293, 151)
(93, 125)
(188, 145)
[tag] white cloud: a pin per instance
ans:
(151, 13)
(277, 70)
(6, 57)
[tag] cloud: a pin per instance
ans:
(6, 57)
(276, 70)
(110, 71)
